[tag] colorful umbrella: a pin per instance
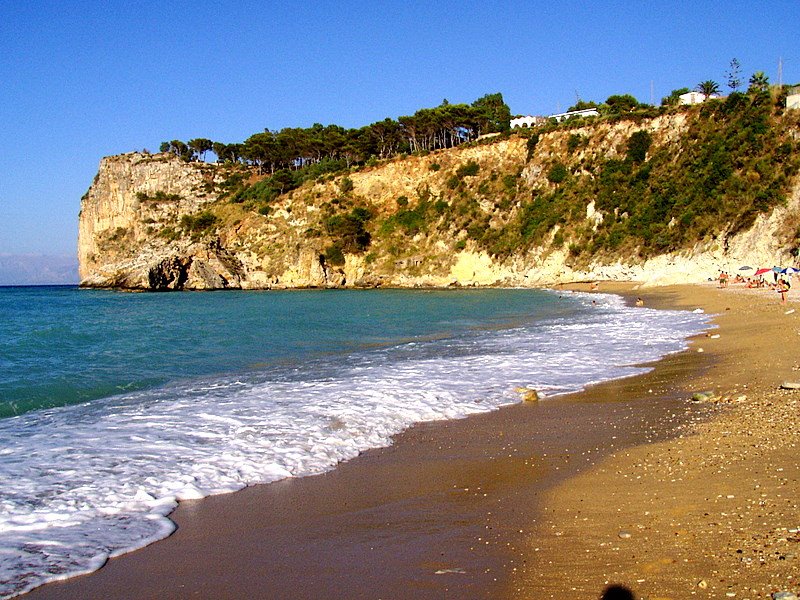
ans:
(762, 271)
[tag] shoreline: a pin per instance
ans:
(465, 487)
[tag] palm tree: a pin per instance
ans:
(759, 82)
(708, 88)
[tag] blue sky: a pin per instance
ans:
(81, 80)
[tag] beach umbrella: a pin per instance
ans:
(792, 270)
(745, 268)
(762, 271)
(778, 270)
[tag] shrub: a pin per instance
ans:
(638, 145)
(350, 229)
(575, 141)
(334, 255)
(159, 196)
(168, 233)
(469, 169)
(199, 223)
(557, 173)
(346, 185)
(440, 206)
(531, 145)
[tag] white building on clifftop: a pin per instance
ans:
(793, 98)
(527, 121)
(690, 98)
(586, 112)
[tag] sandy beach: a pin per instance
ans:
(630, 482)
(710, 514)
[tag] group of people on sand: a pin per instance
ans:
(781, 284)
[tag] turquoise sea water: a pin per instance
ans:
(113, 406)
(61, 345)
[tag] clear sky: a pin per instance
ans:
(80, 80)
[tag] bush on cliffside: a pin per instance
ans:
(349, 230)
(198, 224)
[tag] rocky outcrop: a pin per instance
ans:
(155, 222)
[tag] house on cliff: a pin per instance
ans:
(586, 112)
(527, 121)
(793, 98)
(690, 98)
(530, 121)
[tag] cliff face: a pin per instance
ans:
(118, 245)
(155, 222)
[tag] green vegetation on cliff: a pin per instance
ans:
(734, 161)
(636, 181)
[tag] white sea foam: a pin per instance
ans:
(83, 483)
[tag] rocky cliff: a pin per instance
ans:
(155, 222)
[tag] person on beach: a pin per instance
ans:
(783, 289)
(639, 302)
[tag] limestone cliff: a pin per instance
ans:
(155, 222)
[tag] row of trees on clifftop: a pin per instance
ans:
(444, 126)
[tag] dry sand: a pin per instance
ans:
(712, 513)
(628, 482)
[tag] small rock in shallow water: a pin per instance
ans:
(703, 396)
(624, 534)
(790, 385)
(528, 395)
(784, 596)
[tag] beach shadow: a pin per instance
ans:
(617, 592)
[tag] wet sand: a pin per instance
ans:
(486, 507)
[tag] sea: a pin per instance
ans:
(115, 406)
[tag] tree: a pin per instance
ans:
(227, 152)
(734, 75)
(179, 149)
(493, 112)
(759, 82)
(582, 105)
(708, 88)
(260, 149)
(385, 137)
(619, 104)
(200, 146)
(674, 97)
